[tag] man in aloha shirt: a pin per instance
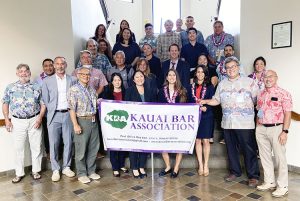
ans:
(149, 38)
(237, 96)
(274, 106)
(22, 100)
(216, 42)
(99, 61)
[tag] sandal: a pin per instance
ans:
(17, 179)
(36, 176)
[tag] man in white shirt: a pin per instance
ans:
(54, 93)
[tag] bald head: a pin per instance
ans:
(270, 78)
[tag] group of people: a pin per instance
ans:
(175, 67)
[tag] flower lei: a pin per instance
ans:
(202, 95)
(260, 82)
(43, 75)
(172, 100)
(221, 69)
(217, 44)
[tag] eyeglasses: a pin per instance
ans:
(84, 74)
(230, 67)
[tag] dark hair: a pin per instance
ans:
(148, 25)
(259, 58)
(121, 28)
(174, 44)
(229, 45)
(189, 17)
(97, 31)
(178, 86)
(206, 81)
(137, 71)
(192, 29)
(107, 49)
(218, 22)
(203, 54)
(121, 36)
(47, 60)
(110, 92)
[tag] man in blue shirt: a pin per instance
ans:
(189, 22)
(191, 51)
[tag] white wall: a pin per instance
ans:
(33, 30)
(132, 12)
(230, 15)
(203, 12)
(86, 16)
(257, 18)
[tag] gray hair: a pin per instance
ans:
(91, 40)
(120, 52)
(230, 59)
(23, 66)
(168, 21)
(85, 51)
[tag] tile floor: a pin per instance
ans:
(188, 186)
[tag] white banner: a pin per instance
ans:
(149, 127)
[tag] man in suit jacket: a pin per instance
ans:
(54, 93)
(180, 66)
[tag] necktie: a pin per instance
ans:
(173, 65)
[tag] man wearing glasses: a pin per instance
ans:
(82, 100)
(237, 96)
(97, 81)
(54, 93)
(274, 106)
(149, 38)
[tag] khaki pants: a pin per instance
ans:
(21, 129)
(267, 140)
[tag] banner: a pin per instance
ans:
(149, 127)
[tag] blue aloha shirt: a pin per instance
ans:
(100, 62)
(24, 100)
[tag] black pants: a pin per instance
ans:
(242, 140)
(45, 132)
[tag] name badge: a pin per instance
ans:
(260, 114)
(240, 98)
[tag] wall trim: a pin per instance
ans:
(295, 116)
(2, 122)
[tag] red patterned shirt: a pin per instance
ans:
(271, 105)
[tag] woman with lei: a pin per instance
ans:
(259, 66)
(172, 92)
(203, 89)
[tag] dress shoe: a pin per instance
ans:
(230, 178)
(164, 172)
(136, 176)
(252, 183)
(123, 169)
(143, 175)
(116, 173)
(174, 174)
(280, 192)
(266, 186)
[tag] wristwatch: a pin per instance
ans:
(285, 130)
